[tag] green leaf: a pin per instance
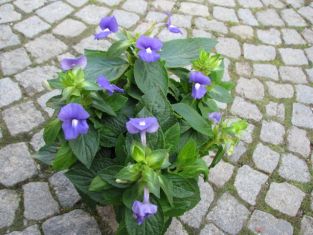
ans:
(220, 153)
(138, 153)
(156, 158)
(86, 146)
(99, 63)
(116, 101)
(108, 174)
(181, 52)
(132, 194)
(55, 83)
(193, 170)
(150, 177)
(194, 119)
(52, 131)
(158, 105)
(188, 154)
(97, 184)
(186, 195)
(46, 154)
(82, 177)
(117, 48)
(171, 137)
(220, 94)
(120, 150)
(129, 173)
(167, 188)
(99, 103)
(152, 225)
(150, 76)
(64, 158)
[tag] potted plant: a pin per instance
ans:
(132, 124)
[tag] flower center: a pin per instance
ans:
(197, 86)
(74, 123)
(106, 30)
(148, 50)
(142, 123)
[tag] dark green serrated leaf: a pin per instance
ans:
(150, 76)
(117, 48)
(171, 137)
(97, 184)
(99, 63)
(188, 154)
(46, 154)
(181, 52)
(86, 146)
(51, 131)
(194, 119)
(64, 158)
(220, 94)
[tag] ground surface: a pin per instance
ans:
(265, 187)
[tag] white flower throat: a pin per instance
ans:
(142, 123)
(197, 86)
(148, 50)
(74, 123)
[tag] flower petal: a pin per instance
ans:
(109, 22)
(73, 111)
(145, 42)
(215, 117)
(174, 29)
(70, 133)
(198, 93)
(199, 77)
(70, 63)
(148, 57)
(103, 34)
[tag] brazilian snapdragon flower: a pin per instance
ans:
(108, 25)
(70, 63)
(104, 83)
(200, 83)
(74, 118)
(148, 48)
(142, 126)
(145, 209)
(215, 117)
(172, 28)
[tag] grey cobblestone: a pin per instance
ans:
(138, 6)
(7, 37)
(176, 228)
(293, 56)
(292, 18)
(228, 47)
(225, 14)
(31, 230)
(280, 90)
(245, 109)
(29, 5)
(92, 14)
(302, 116)
(292, 37)
(9, 202)
(292, 74)
(265, 158)
(211, 25)
(247, 17)
(272, 132)
(276, 110)
(271, 36)
(269, 17)
(55, 11)
(14, 61)
(265, 70)
(298, 141)
(259, 52)
(8, 14)
(69, 28)
(9, 92)
(252, 89)
(37, 26)
(194, 9)
(304, 94)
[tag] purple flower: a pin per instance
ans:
(170, 27)
(70, 63)
(215, 117)
(108, 25)
(148, 48)
(199, 87)
(74, 118)
(142, 126)
(145, 209)
(104, 83)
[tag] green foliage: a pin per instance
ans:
(108, 165)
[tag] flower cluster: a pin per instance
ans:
(129, 135)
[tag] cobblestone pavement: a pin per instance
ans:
(265, 187)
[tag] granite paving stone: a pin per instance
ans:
(280, 91)
(22, 118)
(38, 201)
(55, 11)
(292, 37)
(265, 70)
(69, 28)
(292, 56)
(76, 222)
(265, 223)
(243, 31)
(31, 230)
(194, 9)
(8, 14)
(251, 89)
(92, 14)
(176, 228)
(229, 214)
(7, 37)
(285, 198)
(247, 17)
(138, 6)
(37, 26)
(271, 36)
(292, 18)
(245, 109)
(9, 92)
(125, 18)
(292, 74)
(248, 183)
(32, 79)
(225, 14)
(294, 168)
(272, 132)
(9, 203)
(302, 116)
(14, 61)
(265, 158)
(306, 225)
(229, 47)
(259, 52)
(16, 164)
(41, 49)
(276, 110)
(269, 17)
(29, 5)
(64, 189)
(211, 25)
